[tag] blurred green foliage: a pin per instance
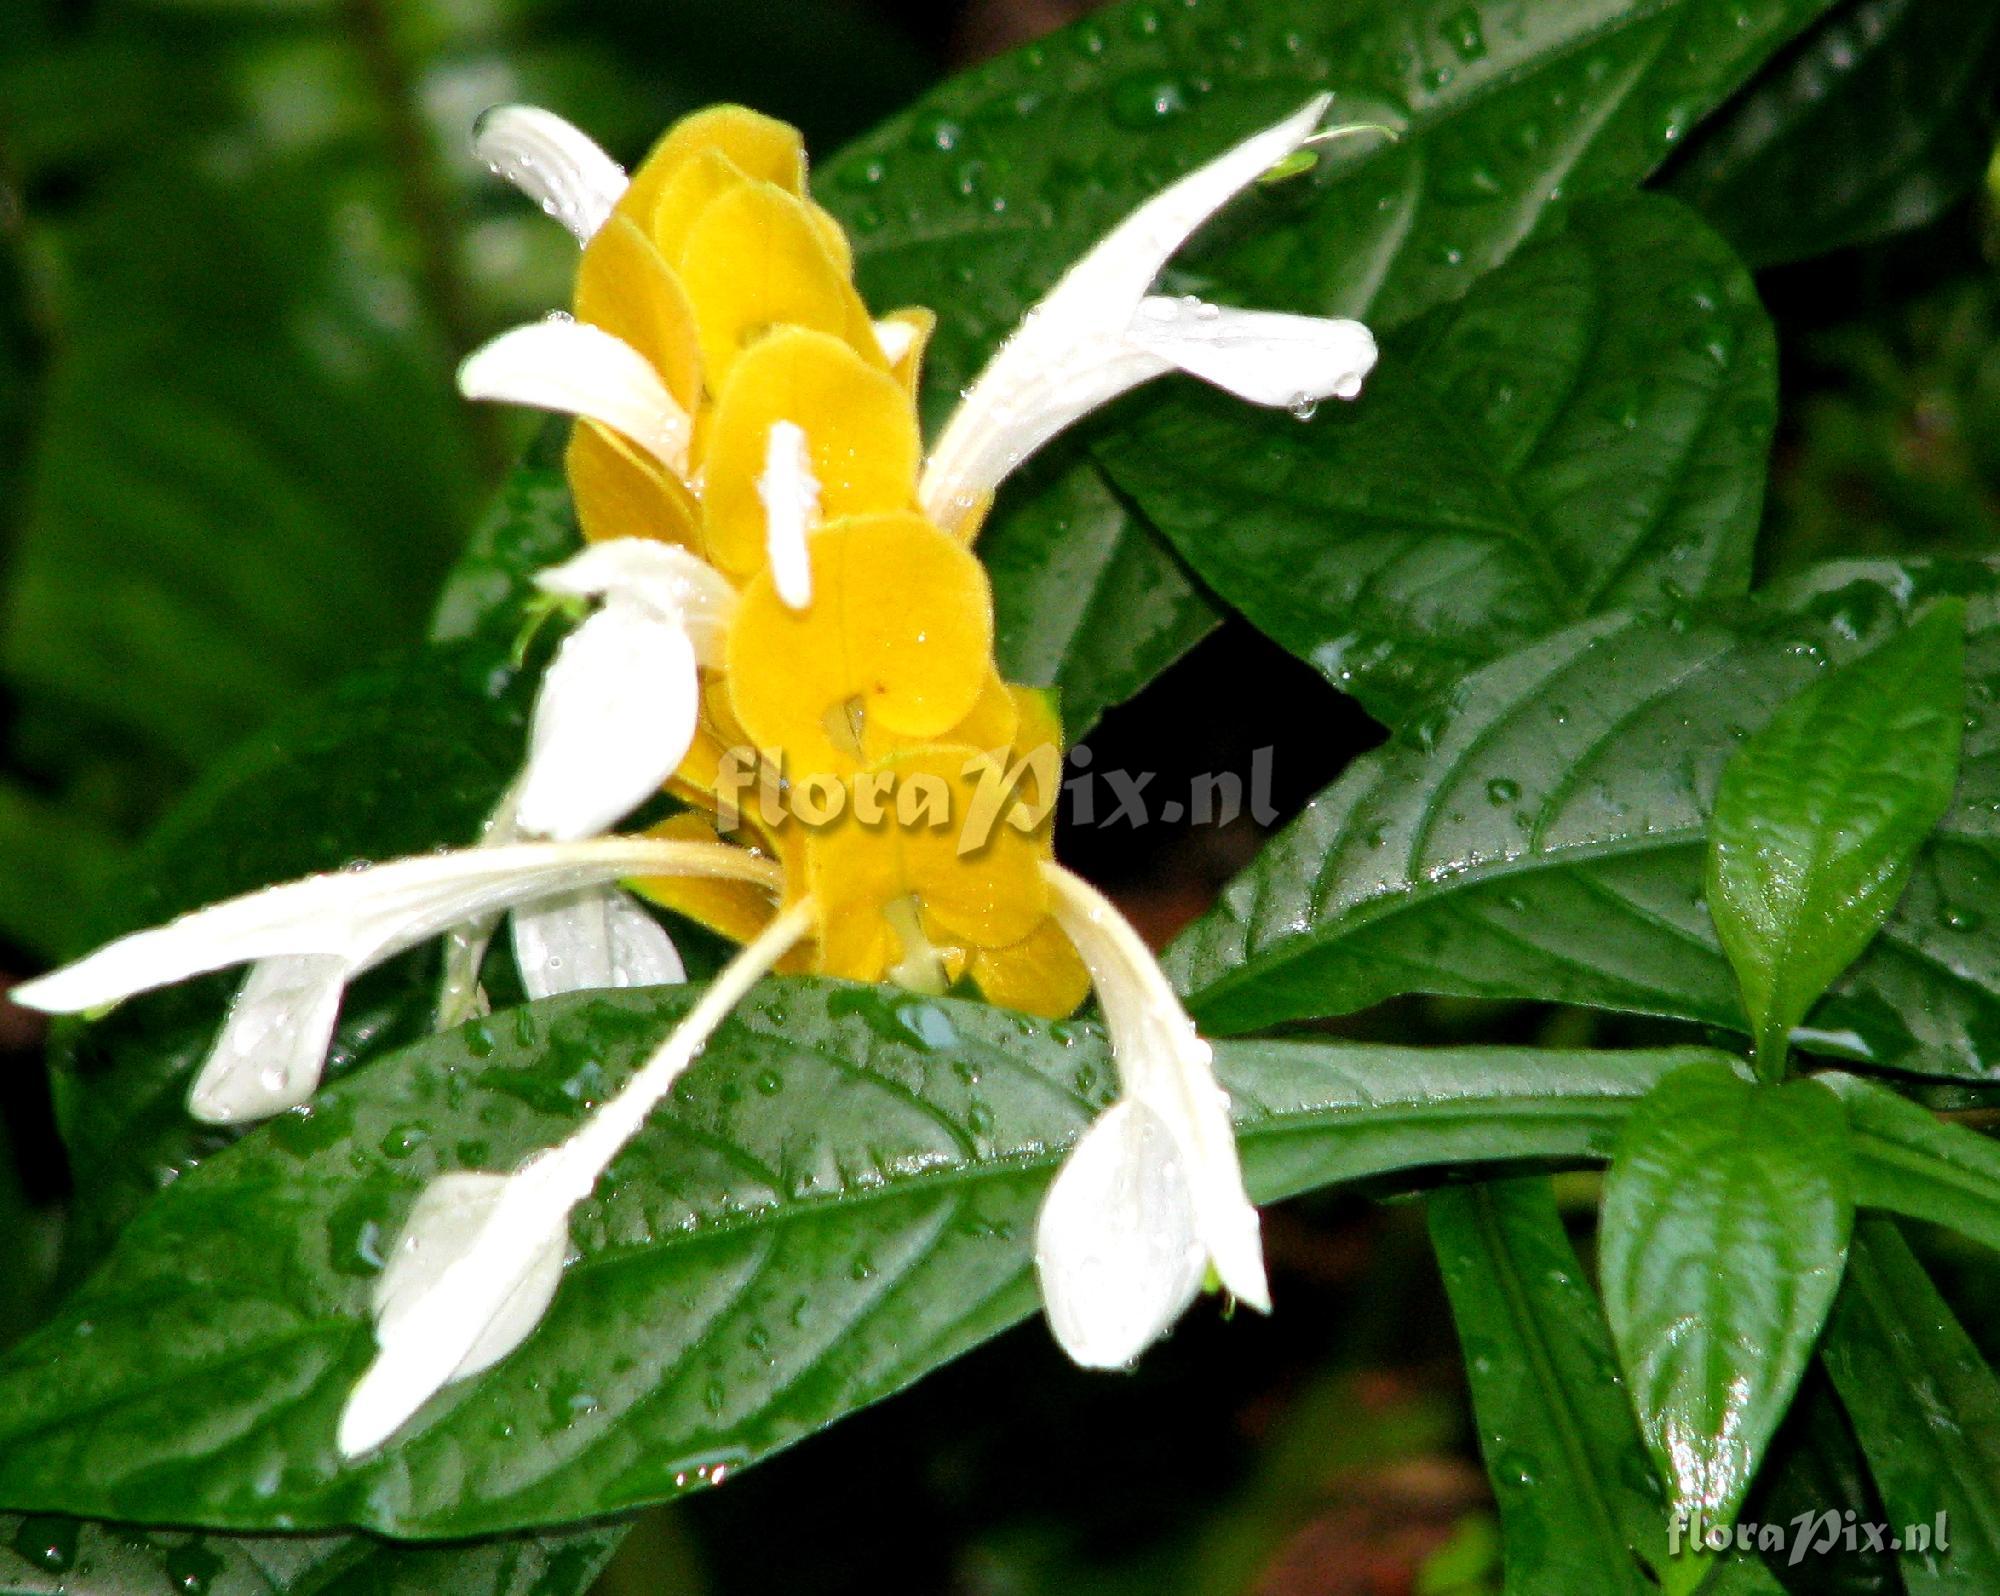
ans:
(242, 245)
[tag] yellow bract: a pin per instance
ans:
(865, 740)
(861, 436)
(753, 262)
(898, 638)
(621, 493)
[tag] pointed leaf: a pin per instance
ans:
(838, 1198)
(1585, 431)
(978, 197)
(1543, 834)
(1726, 1214)
(1926, 1406)
(1819, 816)
(1579, 1506)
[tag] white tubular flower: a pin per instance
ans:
(479, 1259)
(308, 938)
(592, 939)
(1097, 334)
(553, 162)
(576, 369)
(790, 493)
(1152, 1197)
(619, 703)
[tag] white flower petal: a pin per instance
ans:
(586, 941)
(1258, 355)
(555, 163)
(365, 915)
(581, 370)
(1071, 354)
(1116, 1250)
(1164, 1065)
(670, 580)
(481, 1255)
(474, 1271)
(790, 493)
(895, 339)
(272, 1049)
(615, 715)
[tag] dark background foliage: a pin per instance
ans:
(242, 246)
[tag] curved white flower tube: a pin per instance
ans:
(1097, 333)
(309, 938)
(1152, 1196)
(576, 369)
(554, 162)
(481, 1255)
(790, 495)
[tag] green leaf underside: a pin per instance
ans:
(392, 762)
(1926, 1408)
(1579, 1507)
(1586, 430)
(62, 1557)
(1725, 1223)
(1543, 835)
(1819, 816)
(1875, 120)
(838, 1199)
(976, 199)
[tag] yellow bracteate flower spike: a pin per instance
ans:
(860, 431)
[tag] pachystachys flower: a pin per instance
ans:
(789, 633)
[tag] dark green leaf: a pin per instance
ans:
(838, 1199)
(1726, 1215)
(1875, 120)
(392, 762)
(63, 1557)
(1579, 1507)
(1543, 835)
(1818, 818)
(1586, 430)
(1086, 599)
(976, 199)
(1907, 1161)
(1926, 1406)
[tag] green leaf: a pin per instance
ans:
(1579, 1507)
(1726, 1216)
(978, 197)
(1586, 430)
(1818, 819)
(63, 1557)
(1874, 121)
(1907, 1161)
(836, 1200)
(1085, 600)
(1926, 1407)
(395, 761)
(1543, 834)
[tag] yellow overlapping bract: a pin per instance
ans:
(864, 738)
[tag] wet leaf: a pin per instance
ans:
(1818, 819)
(1586, 430)
(1875, 120)
(1542, 834)
(1926, 1407)
(1726, 1214)
(838, 1199)
(1579, 1507)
